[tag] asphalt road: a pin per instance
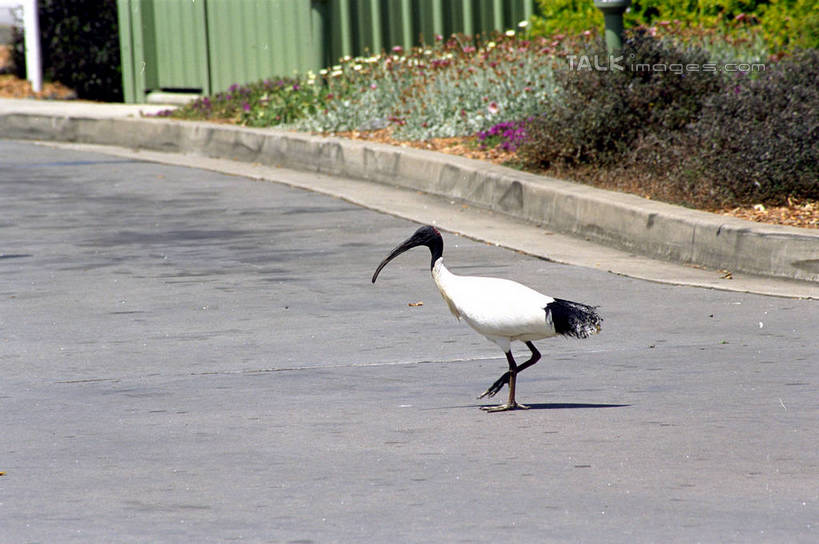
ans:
(193, 357)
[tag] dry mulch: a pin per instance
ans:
(803, 214)
(14, 87)
(797, 213)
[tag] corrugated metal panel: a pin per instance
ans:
(179, 37)
(164, 46)
(127, 51)
(250, 40)
(361, 26)
(208, 45)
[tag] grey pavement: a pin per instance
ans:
(190, 356)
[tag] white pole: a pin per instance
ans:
(31, 28)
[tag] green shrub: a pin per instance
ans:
(575, 16)
(708, 13)
(267, 103)
(565, 17)
(758, 140)
(790, 24)
(600, 113)
(80, 47)
(785, 24)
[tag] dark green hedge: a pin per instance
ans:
(80, 46)
(758, 139)
(699, 137)
(600, 114)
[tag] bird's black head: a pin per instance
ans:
(425, 236)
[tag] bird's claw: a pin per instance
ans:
(496, 387)
(489, 393)
(505, 407)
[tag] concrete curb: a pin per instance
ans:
(624, 221)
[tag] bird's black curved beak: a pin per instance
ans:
(409, 243)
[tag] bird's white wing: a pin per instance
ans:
(500, 308)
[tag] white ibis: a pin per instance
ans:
(502, 310)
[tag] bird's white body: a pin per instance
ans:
(501, 310)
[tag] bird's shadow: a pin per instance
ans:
(547, 406)
(571, 405)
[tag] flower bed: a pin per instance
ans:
(550, 104)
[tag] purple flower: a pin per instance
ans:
(509, 135)
(246, 107)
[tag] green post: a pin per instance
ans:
(613, 16)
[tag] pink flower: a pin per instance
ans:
(397, 49)
(493, 108)
(373, 86)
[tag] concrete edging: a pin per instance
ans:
(652, 229)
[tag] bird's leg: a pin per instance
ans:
(503, 380)
(495, 387)
(513, 374)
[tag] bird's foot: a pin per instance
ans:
(505, 407)
(495, 387)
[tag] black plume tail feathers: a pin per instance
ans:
(573, 318)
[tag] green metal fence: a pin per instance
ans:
(204, 46)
